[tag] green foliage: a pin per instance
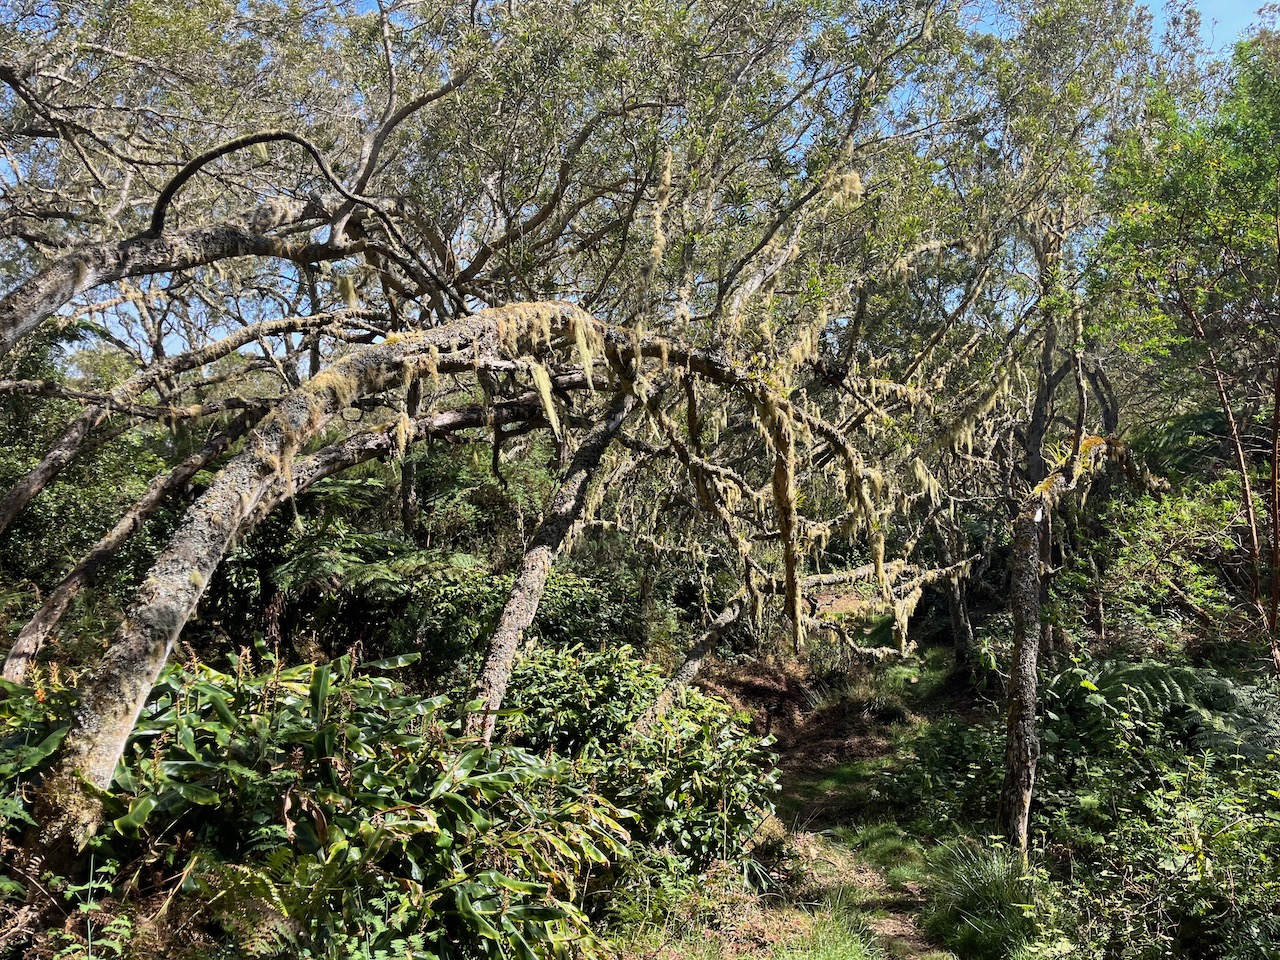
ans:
(59, 525)
(333, 579)
(323, 811)
(699, 783)
(982, 904)
(31, 727)
(1155, 793)
(1190, 869)
(1168, 570)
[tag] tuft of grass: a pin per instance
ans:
(898, 854)
(981, 903)
(836, 936)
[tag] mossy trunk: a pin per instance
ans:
(35, 300)
(33, 635)
(1022, 750)
(243, 491)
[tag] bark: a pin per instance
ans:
(1273, 620)
(1042, 407)
(1022, 750)
(69, 445)
(114, 695)
(253, 482)
(409, 507)
(688, 670)
(1242, 465)
(522, 603)
(1104, 392)
(33, 635)
(38, 298)
(962, 637)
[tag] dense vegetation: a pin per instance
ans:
(551, 479)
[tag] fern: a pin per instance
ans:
(377, 564)
(248, 902)
(1197, 706)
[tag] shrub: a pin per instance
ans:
(699, 783)
(982, 903)
(321, 811)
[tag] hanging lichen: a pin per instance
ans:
(542, 383)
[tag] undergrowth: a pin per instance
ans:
(326, 811)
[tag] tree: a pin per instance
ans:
(427, 222)
(1194, 247)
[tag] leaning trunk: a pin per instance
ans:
(689, 668)
(37, 630)
(43, 473)
(114, 696)
(112, 700)
(526, 592)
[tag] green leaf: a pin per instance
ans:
(132, 821)
(197, 794)
(391, 663)
(320, 685)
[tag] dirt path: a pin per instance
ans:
(816, 740)
(889, 911)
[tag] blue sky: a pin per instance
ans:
(1232, 17)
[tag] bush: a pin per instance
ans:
(1156, 795)
(320, 811)
(699, 783)
(981, 901)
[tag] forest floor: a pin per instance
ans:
(854, 890)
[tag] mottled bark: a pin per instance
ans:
(113, 696)
(1022, 750)
(408, 475)
(35, 300)
(52, 464)
(522, 602)
(689, 668)
(33, 635)
(252, 483)
(72, 440)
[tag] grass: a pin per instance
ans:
(824, 932)
(836, 938)
(835, 795)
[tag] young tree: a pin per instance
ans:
(1194, 249)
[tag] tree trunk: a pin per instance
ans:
(69, 444)
(35, 300)
(114, 695)
(687, 672)
(1273, 620)
(57, 457)
(1022, 749)
(409, 508)
(957, 606)
(1242, 465)
(34, 634)
(526, 592)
